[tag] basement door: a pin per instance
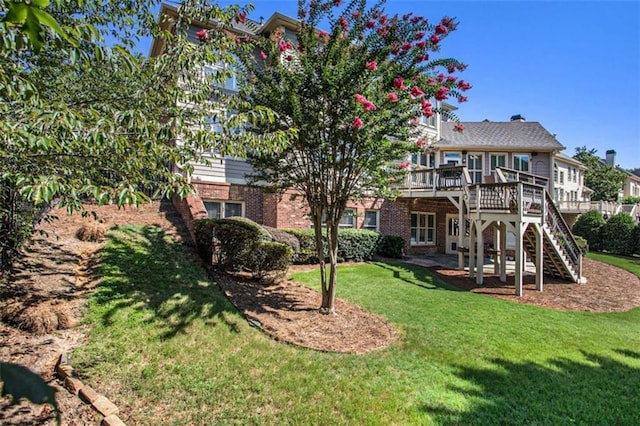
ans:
(453, 230)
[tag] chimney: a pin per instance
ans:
(611, 157)
(517, 117)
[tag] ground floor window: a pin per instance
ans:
(371, 220)
(348, 219)
(423, 228)
(223, 209)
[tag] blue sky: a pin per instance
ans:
(573, 66)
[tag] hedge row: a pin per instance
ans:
(239, 244)
(619, 234)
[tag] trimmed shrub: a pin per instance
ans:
(234, 242)
(588, 226)
(391, 246)
(203, 230)
(281, 236)
(583, 245)
(635, 240)
(353, 245)
(306, 240)
(617, 233)
(268, 257)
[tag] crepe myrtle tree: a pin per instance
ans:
(83, 121)
(354, 93)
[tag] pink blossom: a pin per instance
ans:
(440, 77)
(289, 58)
(373, 65)
(415, 91)
(421, 44)
(300, 47)
(451, 79)
(423, 58)
(446, 21)
(323, 36)
(202, 35)
(357, 123)
(398, 83)
(263, 55)
(392, 97)
(404, 164)
(356, 14)
(383, 31)
(431, 81)
(434, 39)
(459, 127)
(383, 19)
(451, 69)
(344, 24)
(442, 93)
(406, 16)
(337, 3)
(421, 143)
(370, 24)
(441, 29)
(462, 67)
(406, 45)
(241, 17)
(418, 35)
(462, 99)
(463, 85)
(367, 104)
(416, 19)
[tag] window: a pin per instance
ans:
(561, 178)
(498, 160)
(429, 121)
(521, 162)
(453, 158)
(228, 79)
(474, 165)
(555, 173)
(223, 209)
(426, 159)
(371, 220)
(348, 219)
(423, 228)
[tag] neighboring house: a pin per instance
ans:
(511, 162)
(569, 192)
(630, 188)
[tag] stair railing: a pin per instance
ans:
(563, 234)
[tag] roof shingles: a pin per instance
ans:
(510, 136)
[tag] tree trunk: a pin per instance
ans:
(329, 291)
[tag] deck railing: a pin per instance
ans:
(563, 234)
(510, 197)
(437, 179)
(503, 174)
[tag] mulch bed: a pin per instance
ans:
(288, 312)
(608, 288)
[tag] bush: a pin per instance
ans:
(269, 256)
(353, 245)
(391, 246)
(235, 239)
(588, 226)
(281, 236)
(203, 230)
(617, 234)
(583, 244)
(635, 240)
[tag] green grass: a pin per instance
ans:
(168, 348)
(631, 264)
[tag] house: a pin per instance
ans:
(570, 194)
(630, 189)
(483, 191)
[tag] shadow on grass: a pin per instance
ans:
(416, 275)
(600, 390)
(142, 269)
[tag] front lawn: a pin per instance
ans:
(167, 347)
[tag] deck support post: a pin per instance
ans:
(519, 257)
(539, 257)
(503, 252)
(461, 231)
(472, 249)
(480, 231)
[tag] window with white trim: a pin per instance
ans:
(223, 209)
(371, 220)
(426, 159)
(348, 219)
(521, 162)
(453, 158)
(423, 228)
(474, 166)
(229, 78)
(498, 160)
